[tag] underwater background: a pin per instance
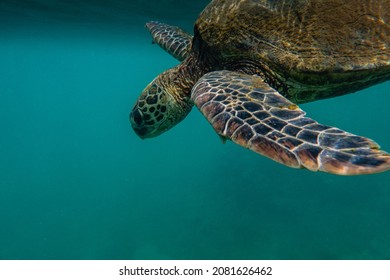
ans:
(77, 183)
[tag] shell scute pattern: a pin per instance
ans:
(309, 155)
(262, 129)
(251, 121)
(286, 114)
(275, 135)
(302, 122)
(231, 126)
(262, 115)
(242, 134)
(291, 130)
(252, 107)
(220, 121)
(308, 136)
(275, 123)
(272, 148)
(243, 115)
(289, 142)
(318, 127)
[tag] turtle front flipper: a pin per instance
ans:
(249, 112)
(171, 38)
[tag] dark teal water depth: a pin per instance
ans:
(77, 183)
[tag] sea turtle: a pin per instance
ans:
(251, 61)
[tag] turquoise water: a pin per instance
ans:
(77, 183)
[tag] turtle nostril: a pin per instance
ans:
(137, 117)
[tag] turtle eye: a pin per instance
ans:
(137, 117)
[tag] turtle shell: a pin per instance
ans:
(301, 43)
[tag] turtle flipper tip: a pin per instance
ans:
(151, 23)
(340, 164)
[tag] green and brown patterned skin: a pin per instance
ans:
(249, 64)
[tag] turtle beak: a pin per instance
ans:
(137, 123)
(142, 129)
(141, 132)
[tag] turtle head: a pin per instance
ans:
(162, 104)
